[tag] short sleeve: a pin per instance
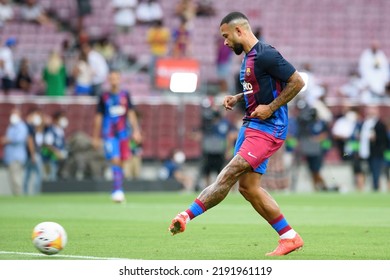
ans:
(275, 65)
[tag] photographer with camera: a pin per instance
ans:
(314, 142)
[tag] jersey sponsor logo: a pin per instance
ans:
(117, 111)
(248, 88)
(252, 155)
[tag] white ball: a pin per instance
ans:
(49, 237)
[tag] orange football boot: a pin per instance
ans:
(286, 246)
(178, 224)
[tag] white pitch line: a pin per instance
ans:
(59, 256)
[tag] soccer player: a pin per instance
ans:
(269, 83)
(115, 123)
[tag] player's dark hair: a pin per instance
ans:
(114, 70)
(233, 16)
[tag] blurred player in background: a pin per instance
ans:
(269, 83)
(115, 122)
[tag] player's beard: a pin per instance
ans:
(238, 48)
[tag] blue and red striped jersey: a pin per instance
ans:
(114, 108)
(263, 75)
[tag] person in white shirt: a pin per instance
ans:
(99, 66)
(32, 11)
(14, 143)
(7, 68)
(6, 12)
(374, 69)
(355, 89)
(83, 74)
(124, 14)
(148, 11)
(314, 90)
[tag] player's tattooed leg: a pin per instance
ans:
(216, 192)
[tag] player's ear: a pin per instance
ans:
(238, 30)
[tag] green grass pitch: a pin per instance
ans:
(334, 227)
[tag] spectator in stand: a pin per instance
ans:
(158, 38)
(373, 144)
(106, 48)
(70, 55)
(24, 80)
(7, 70)
(224, 63)
(355, 89)
(84, 8)
(54, 75)
(32, 11)
(186, 9)
(314, 88)
(6, 12)
(83, 74)
(15, 154)
(82, 38)
(34, 165)
(205, 8)
(374, 70)
(181, 40)
(124, 14)
(148, 11)
(100, 67)
(54, 149)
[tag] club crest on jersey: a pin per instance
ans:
(248, 71)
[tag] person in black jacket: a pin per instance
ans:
(373, 144)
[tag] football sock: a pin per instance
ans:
(117, 177)
(282, 227)
(196, 208)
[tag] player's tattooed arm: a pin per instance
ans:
(216, 192)
(231, 100)
(293, 86)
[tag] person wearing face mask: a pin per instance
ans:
(54, 148)
(15, 154)
(34, 165)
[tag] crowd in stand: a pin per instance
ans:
(82, 64)
(79, 64)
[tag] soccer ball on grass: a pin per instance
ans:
(49, 237)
